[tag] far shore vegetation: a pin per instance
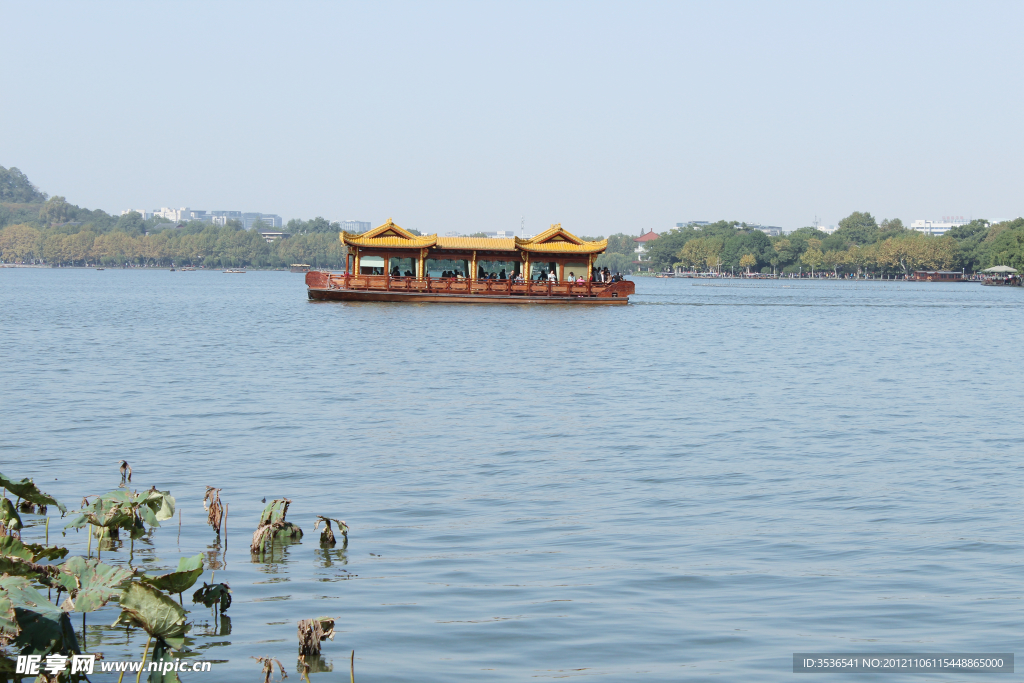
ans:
(38, 229)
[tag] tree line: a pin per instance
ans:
(860, 245)
(59, 233)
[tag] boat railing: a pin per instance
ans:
(431, 285)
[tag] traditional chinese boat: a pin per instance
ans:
(390, 263)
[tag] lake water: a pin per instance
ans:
(692, 487)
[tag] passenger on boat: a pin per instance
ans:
(606, 275)
(572, 276)
(580, 281)
(395, 272)
(502, 275)
(408, 273)
(552, 277)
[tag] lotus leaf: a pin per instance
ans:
(189, 571)
(126, 510)
(153, 612)
(9, 516)
(162, 654)
(33, 552)
(8, 625)
(90, 583)
(26, 489)
(43, 629)
(16, 566)
(12, 547)
(211, 595)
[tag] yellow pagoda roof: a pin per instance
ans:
(557, 240)
(477, 243)
(389, 235)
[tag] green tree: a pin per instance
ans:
(56, 210)
(16, 187)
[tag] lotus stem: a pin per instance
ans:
(352, 667)
(142, 666)
(47, 529)
(88, 552)
(226, 506)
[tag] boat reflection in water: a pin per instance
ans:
(390, 263)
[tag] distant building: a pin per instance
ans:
(357, 227)
(770, 230)
(270, 235)
(269, 220)
(827, 230)
(696, 225)
(642, 244)
(501, 234)
(938, 228)
(146, 215)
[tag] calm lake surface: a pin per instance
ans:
(692, 487)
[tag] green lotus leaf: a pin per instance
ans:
(93, 583)
(9, 516)
(8, 625)
(189, 571)
(27, 490)
(160, 502)
(33, 552)
(161, 653)
(210, 595)
(12, 547)
(155, 613)
(43, 629)
(44, 552)
(16, 566)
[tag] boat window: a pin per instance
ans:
(371, 265)
(438, 267)
(577, 269)
(539, 270)
(402, 267)
(486, 268)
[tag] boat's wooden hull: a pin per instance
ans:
(418, 297)
(324, 286)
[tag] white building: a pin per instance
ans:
(938, 228)
(146, 215)
(357, 227)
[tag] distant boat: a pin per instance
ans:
(299, 267)
(101, 269)
(172, 270)
(231, 270)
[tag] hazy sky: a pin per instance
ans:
(606, 117)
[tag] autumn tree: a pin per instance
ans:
(748, 261)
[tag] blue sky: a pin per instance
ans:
(606, 117)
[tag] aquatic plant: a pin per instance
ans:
(149, 609)
(25, 489)
(90, 584)
(189, 571)
(273, 525)
(327, 535)
(312, 632)
(10, 520)
(268, 667)
(214, 594)
(211, 503)
(32, 625)
(125, 510)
